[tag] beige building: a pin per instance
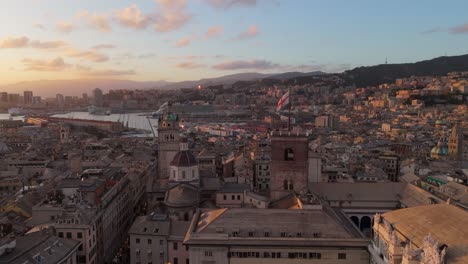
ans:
(434, 234)
(148, 239)
(240, 235)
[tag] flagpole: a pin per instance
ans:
(289, 109)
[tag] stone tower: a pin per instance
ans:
(289, 162)
(455, 143)
(168, 143)
(64, 133)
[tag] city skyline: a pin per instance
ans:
(186, 40)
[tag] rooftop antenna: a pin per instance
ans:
(386, 60)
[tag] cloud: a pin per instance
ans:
(213, 32)
(57, 64)
(230, 3)
(108, 73)
(95, 20)
(104, 46)
(47, 44)
(183, 42)
(64, 27)
(189, 65)
(460, 29)
(246, 64)
(172, 16)
(14, 43)
(39, 26)
(89, 55)
(132, 17)
(251, 32)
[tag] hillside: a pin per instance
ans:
(387, 73)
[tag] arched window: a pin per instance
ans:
(288, 154)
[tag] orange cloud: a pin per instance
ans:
(251, 32)
(89, 55)
(132, 17)
(214, 32)
(57, 64)
(189, 65)
(14, 43)
(183, 42)
(95, 20)
(173, 15)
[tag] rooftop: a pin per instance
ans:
(444, 222)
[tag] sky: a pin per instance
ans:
(175, 40)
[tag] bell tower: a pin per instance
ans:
(289, 163)
(168, 143)
(455, 143)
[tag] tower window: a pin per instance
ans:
(288, 154)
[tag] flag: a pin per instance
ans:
(283, 101)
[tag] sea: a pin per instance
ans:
(139, 121)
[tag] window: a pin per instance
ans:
(69, 235)
(176, 261)
(137, 251)
(283, 234)
(183, 174)
(79, 235)
(267, 234)
(288, 154)
(161, 242)
(80, 248)
(233, 197)
(251, 234)
(238, 197)
(150, 241)
(224, 196)
(175, 245)
(315, 255)
(187, 261)
(341, 255)
(208, 253)
(137, 241)
(60, 234)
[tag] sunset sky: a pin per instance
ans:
(178, 40)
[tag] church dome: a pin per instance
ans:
(182, 195)
(184, 158)
(441, 149)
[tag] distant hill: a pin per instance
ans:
(226, 80)
(290, 75)
(386, 73)
(49, 88)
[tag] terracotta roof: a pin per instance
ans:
(444, 222)
(184, 159)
